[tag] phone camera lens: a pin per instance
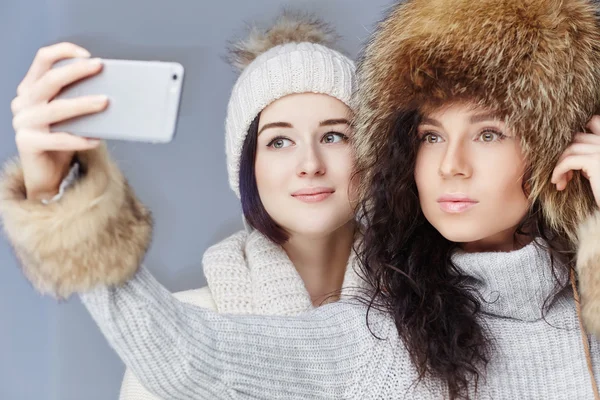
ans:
(174, 77)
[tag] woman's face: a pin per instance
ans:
(469, 174)
(304, 162)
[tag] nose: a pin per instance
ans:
(311, 163)
(455, 162)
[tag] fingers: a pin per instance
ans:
(580, 148)
(46, 57)
(60, 141)
(566, 165)
(582, 154)
(51, 83)
(588, 138)
(42, 115)
(594, 125)
(585, 163)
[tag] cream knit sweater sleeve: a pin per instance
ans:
(131, 387)
(179, 351)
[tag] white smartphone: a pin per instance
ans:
(143, 98)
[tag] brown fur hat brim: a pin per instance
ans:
(535, 62)
(96, 234)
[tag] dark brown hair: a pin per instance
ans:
(252, 206)
(408, 263)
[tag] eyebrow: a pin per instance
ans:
(330, 122)
(327, 122)
(431, 121)
(275, 125)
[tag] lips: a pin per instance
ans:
(456, 203)
(313, 195)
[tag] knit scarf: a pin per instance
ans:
(249, 274)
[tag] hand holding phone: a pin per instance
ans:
(45, 156)
(66, 102)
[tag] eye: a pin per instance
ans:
(430, 137)
(280, 143)
(334, 137)
(490, 135)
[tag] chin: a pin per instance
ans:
(473, 238)
(459, 233)
(314, 230)
(315, 227)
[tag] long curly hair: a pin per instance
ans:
(408, 263)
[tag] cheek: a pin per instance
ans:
(506, 189)
(270, 172)
(272, 184)
(425, 172)
(340, 165)
(340, 171)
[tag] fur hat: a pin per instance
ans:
(293, 56)
(537, 62)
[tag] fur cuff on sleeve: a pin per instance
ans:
(96, 234)
(588, 269)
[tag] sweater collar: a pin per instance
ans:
(516, 284)
(248, 273)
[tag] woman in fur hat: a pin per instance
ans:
(480, 193)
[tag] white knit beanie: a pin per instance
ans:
(291, 57)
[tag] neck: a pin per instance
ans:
(321, 261)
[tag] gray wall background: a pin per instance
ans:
(55, 351)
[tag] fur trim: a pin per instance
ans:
(289, 27)
(588, 269)
(536, 62)
(96, 234)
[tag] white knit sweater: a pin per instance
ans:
(248, 274)
(183, 352)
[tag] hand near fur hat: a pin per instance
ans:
(583, 155)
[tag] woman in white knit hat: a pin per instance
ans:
(290, 161)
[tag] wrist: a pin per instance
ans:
(48, 196)
(42, 195)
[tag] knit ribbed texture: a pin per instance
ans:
(249, 274)
(131, 387)
(184, 352)
(282, 70)
(522, 297)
